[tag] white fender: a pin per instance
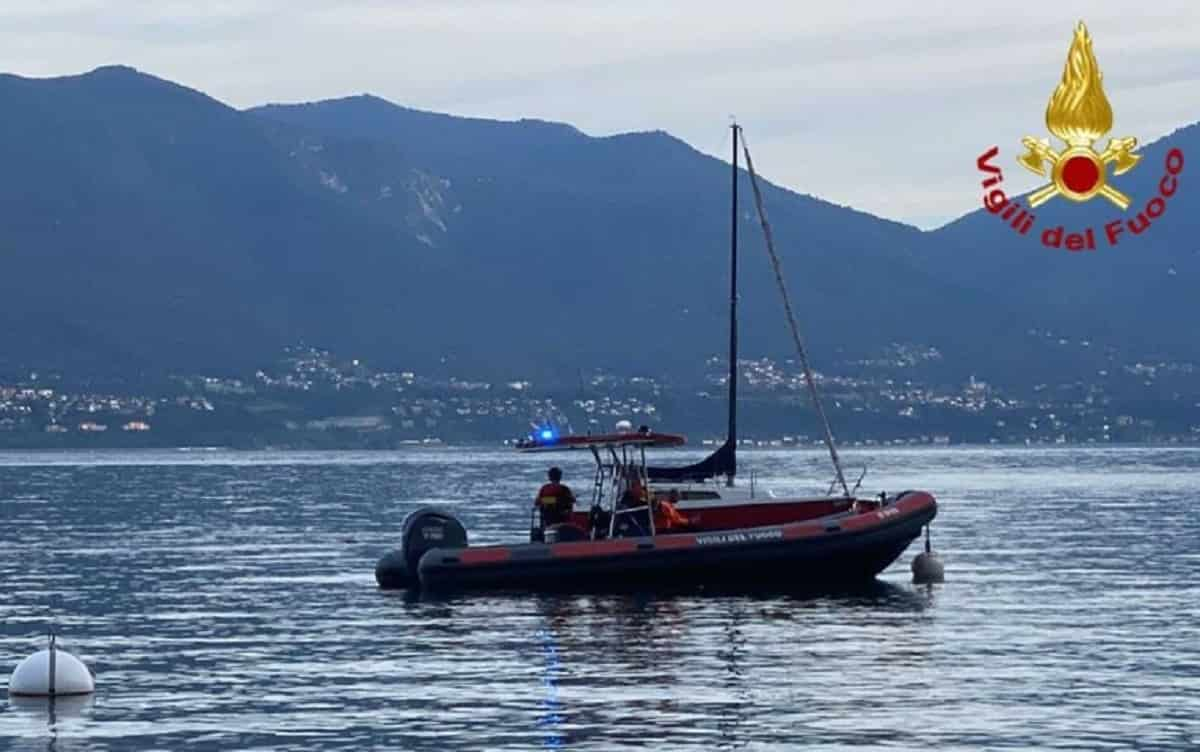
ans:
(33, 678)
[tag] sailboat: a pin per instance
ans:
(715, 533)
(698, 487)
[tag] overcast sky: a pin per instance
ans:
(874, 105)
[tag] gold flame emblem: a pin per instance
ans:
(1079, 114)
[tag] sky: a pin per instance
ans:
(882, 106)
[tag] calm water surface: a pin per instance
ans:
(227, 601)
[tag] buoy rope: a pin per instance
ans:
(53, 666)
(787, 306)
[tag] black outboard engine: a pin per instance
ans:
(422, 530)
(429, 528)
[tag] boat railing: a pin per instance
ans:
(631, 510)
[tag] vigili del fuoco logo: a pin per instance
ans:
(1079, 114)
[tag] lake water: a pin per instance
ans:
(227, 601)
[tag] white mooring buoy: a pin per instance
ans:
(51, 673)
(927, 567)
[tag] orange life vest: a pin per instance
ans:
(666, 517)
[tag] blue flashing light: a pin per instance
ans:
(547, 433)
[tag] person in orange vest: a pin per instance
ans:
(666, 516)
(555, 500)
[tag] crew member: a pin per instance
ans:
(555, 500)
(635, 493)
(667, 516)
(635, 497)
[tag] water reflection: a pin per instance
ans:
(231, 605)
(732, 716)
(552, 719)
(53, 709)
(661, 654)
(56, 714)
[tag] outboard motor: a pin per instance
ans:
(422, 530)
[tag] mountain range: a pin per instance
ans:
(150, 229)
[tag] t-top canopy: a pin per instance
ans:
(546, 441)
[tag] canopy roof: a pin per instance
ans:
(553, 443)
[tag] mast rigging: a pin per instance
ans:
(791, 317)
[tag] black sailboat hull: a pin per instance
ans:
(798, 555)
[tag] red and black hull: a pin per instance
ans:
(800, 554)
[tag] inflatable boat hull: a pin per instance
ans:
(801, 554)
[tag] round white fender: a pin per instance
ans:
(49, 673)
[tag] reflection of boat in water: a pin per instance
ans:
(716, 535)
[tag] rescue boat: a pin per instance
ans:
(718, 533)
(615, 545)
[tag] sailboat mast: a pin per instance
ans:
(731, 431)
(791, 317)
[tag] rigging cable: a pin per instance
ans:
(787, 306)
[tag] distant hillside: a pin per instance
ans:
(149, 228)
(616, 249)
